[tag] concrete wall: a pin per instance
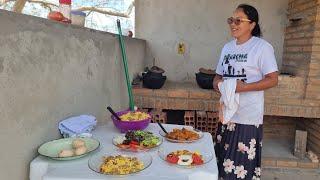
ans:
(201, 25)
(49, 71)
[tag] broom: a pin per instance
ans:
(125, 64)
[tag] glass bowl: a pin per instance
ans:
(96, 161)
(206, 154)
(163, 134)
(140, 148)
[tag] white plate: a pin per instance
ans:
(51, 149)
(207, 155)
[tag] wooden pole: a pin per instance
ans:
(19, 5)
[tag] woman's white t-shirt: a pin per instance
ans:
(248, 62)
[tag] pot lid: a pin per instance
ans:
(156, 69)
(207, 71)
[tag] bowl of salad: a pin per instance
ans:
(137, 141)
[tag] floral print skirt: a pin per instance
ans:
(238, 151)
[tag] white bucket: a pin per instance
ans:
(78, 18)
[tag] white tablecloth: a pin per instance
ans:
(42, 168)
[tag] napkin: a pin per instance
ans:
(77, 125)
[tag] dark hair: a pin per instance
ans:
(253, 15)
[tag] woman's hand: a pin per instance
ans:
(217, 79)
(241, 86)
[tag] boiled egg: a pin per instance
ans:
(185, 160)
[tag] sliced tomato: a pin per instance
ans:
(134, 142)
(197, 160)
(133, 146)
(171, 158)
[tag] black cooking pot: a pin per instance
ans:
(205, 81)
(153, 81)
(155, 74)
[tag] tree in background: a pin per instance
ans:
(101, 14)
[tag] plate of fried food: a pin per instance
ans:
(119, 163)
(182, 135)
(137, 141)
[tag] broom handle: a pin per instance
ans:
(125, 64)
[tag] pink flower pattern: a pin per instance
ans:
(240, 172)
(231, 126)
(219, 137)
(242, 147)
(228, 166)
(231, 166)
(226, 146)
(257, 171)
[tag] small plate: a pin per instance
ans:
(51, 149)
(96, 161)
(207, 156)
(200, 133)
(128, 148)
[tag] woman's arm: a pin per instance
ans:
(269, 81)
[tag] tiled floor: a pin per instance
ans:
(290, 174)
(283, 148)
(278, 148)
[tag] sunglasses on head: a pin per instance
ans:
(237, 21)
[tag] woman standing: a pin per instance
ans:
(250, 60)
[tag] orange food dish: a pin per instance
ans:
(183, 135)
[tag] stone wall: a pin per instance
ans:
(49, 71)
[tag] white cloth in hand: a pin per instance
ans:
(229, 100)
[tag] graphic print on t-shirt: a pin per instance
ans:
(232, 64)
